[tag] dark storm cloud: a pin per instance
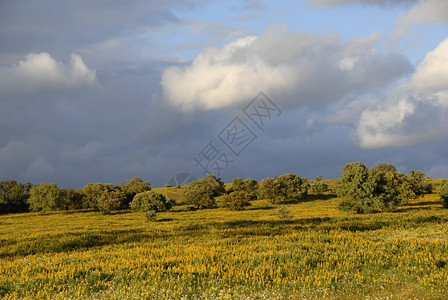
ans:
(59, 27)
(113, 131)
(80, 102)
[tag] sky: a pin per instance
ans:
(103, 91)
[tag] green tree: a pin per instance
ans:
(385, 168)
(294, 188)
(267, 189)
(150, 203)
(237, 200)
(319, 186)
(45, 197)
(393, 189)
(247, 185)
(92, 192)
(443, 193)
(202, 192)
(132, 187)
(288, 187)
(364, 190)
(237, 184)
(73, 199)
(14, 196)
(110, 200)
(419, 185)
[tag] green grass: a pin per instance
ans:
(317, 253)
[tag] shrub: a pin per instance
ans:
(443, 193)
(92, 192)
(202, 192)
(150, 201)
(319, 186)
(132, 187)
(267, 189)
(364, 190)
(14, 196)
(45, 197)
(284, 213)
(72, 198)
(237, 200)
(419, 185)
(289, 187)
(151, 216)
(110, 200)
(247, 185)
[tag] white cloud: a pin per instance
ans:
(416, 113)
(41, 71)
(298, 68)
(432, 73)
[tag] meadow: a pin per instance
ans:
(307, 250)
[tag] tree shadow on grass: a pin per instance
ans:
(165, 220)
(260, 207)
(68, 242)
(422, 205)
(309, 198)
(407, 209)
(314, 197)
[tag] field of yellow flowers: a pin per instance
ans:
(313, 251)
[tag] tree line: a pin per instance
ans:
(360, 189)
(105, 197)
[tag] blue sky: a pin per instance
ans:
(105, 91)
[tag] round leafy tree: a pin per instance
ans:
(319, 186)
(202, 192)
(237, 200)
(443, 193)
(288, 187)
(150, 201)
(110, 200)
(44, 197)
(364, 190)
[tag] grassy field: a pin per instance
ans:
(310, 251)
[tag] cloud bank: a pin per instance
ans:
(425, 11)
(298, 68)
(416, 113)
(40, 71)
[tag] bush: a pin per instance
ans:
(289, 187)
(443, 193)
(92, 192)
(110, 200)
(364, 190)
(14, 196)
(45, 197)
(132, 187)
(73, 199)
(237, 200)
(419, 185)
(248, 185)
(284, 213)
(150, 201)
(151, 216)
(202, 192)
(319, 186)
